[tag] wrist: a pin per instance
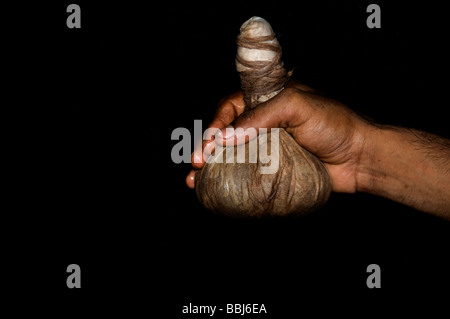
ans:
(386, 164)
(397, 164)
(369, 171)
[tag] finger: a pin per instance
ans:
(275, 113)
(228, 110)
(190, 179)
(204, 149)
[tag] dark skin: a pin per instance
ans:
(404, 165)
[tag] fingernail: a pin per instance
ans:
(190, 180)
(198, 158)
(227, 132)
(208, 150)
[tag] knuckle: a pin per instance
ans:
(293, 98)
(248, 117)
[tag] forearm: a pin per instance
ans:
(407, 166)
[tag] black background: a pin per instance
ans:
(94, 184)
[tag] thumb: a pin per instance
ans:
(248, 125)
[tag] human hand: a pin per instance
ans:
(323, 126)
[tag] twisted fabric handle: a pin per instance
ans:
(262, 73)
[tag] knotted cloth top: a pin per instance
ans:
(261, 77)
